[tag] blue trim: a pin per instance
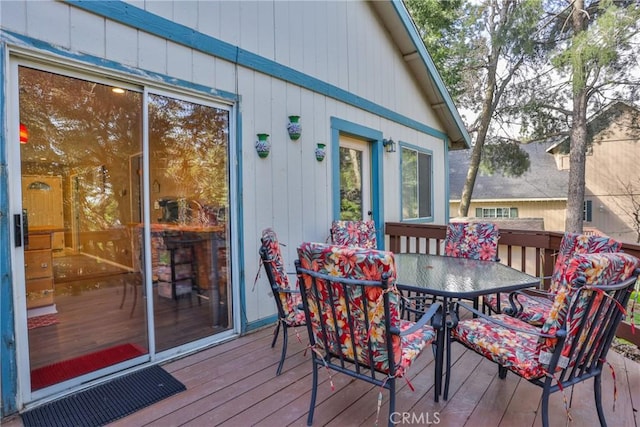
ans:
(8, 367)
(261, 323)
(423, 151)
(409, 25)
(142, 20)
(7, 347)
(107, 65)
(446, 183)
(240, 213)
(374, 137)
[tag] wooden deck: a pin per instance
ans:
(234, 384)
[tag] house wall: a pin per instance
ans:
(338, 43)
(552, 213)
(612, 181)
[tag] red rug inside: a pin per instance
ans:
(67, 369)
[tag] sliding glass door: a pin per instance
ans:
(125, 234)
(189, 175)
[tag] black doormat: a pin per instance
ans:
(106, 402)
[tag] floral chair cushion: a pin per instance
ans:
(472, 240)
(366, 310)
(534, 308)
(573, 243)
(514, 350)
(593, 269)
(526, 354)
(291, 314)
(361, 234)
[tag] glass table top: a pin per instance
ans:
(458, 277)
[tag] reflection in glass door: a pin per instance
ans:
(355, 179)
(99, 202)
(188, 175)
(81, 284)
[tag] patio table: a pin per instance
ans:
(448, 278)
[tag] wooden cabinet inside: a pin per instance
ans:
(38, 261)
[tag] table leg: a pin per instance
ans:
(448, 325)
(440, 350)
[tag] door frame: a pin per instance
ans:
(15, 377)
(374, 138)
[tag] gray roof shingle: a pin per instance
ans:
(543, 180)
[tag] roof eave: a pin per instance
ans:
(402, 29)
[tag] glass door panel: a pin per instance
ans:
(83, 280)
(189, 176)
(355, 180)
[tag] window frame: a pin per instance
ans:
(430, 196)
(509, 212)
(587, 211)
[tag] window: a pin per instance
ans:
(496, 212)
(587, 211)
(417, 184)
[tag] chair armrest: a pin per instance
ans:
(517, 307)
(428, 315)
(504, 325)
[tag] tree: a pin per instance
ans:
(588, 65)
(630, 204)
(489, 44)
(535, 70)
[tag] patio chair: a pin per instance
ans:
(288, 301)
(360, 234)
(473, 240)
(477, 240)
(572, 344)
(533, 305)
(351, 304)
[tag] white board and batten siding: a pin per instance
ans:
(343, 44)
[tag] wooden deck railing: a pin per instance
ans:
(529, 251)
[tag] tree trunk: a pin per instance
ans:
(577, 160)
(578, 138)
(476, 153)
(485, 118)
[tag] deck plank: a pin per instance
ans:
(234, 383)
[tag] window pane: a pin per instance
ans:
(424, 195)
(416, 184)
(189, 178)
(409, 184)
(77, 196)
(350, 184)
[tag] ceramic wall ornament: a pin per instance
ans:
(263, 146)
(294, 128)
(320, 152)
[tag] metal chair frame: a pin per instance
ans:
(335, 359)
(589, 358)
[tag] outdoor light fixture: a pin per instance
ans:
(389, 145)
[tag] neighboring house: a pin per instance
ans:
(612, 177)
(135, 186)
(612, 180)
(540, 193)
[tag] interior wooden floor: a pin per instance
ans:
(101, 306)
